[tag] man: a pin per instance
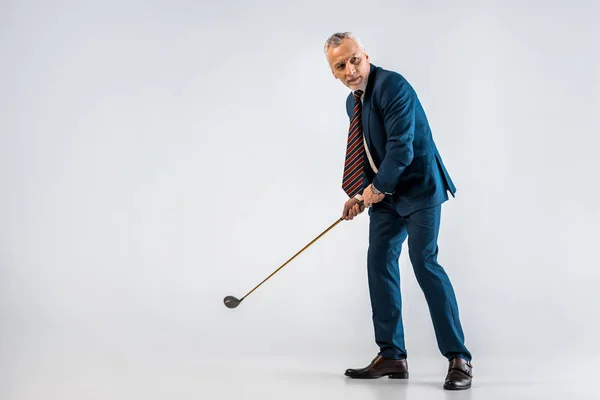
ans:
(394, 168)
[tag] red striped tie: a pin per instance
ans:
(355, 151)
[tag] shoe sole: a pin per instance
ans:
(395, 375)
(457, 388)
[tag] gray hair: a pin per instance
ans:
(336, 39)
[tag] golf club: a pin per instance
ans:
(233, 302)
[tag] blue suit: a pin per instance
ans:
(411, 173)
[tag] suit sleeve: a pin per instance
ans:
(398, 103)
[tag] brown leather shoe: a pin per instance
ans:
(380, 366)
(460, 374)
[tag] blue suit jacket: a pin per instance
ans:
(410, 168)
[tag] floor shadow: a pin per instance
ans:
(418, 386)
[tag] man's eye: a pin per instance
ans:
(341, 66)
(354, 60)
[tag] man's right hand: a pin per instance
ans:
(352, 209)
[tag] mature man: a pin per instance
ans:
(393, 167)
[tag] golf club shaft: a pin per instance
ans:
(305, 247)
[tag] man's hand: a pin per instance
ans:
(371, 198)
(352, 209)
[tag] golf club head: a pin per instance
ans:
(231, 302)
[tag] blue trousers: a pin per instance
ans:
(387, 232)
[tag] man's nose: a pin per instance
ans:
(351, 69)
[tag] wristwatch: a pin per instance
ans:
(374, 191)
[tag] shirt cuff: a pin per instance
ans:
(380, 191)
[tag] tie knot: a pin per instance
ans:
(357, 94)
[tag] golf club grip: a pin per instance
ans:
(360, 203)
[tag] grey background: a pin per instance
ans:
(158, 156)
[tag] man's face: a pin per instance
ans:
(349, 64)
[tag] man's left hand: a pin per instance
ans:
(371, 198)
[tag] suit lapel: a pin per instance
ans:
(366, 108)
(366, 112)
